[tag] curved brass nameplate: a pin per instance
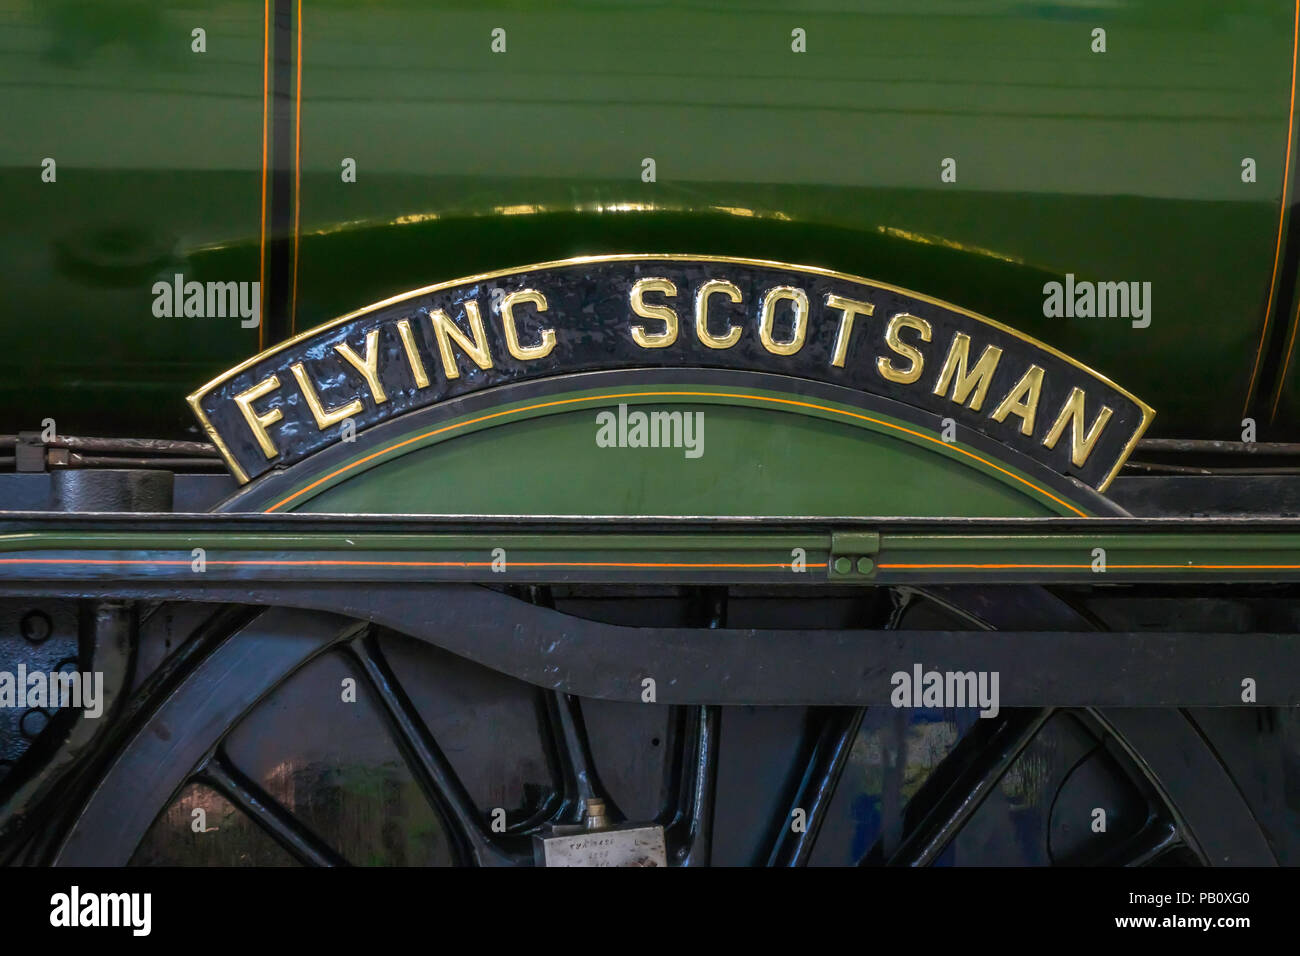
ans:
(675, 311)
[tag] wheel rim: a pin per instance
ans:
(1197, 813)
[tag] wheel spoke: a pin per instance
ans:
(435, 774)
(577, 769)
(268, 813)
(825, 766)
(1157, 838)
(569, 745)
(690, 835)
(928, 839)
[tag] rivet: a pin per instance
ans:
(35, 626)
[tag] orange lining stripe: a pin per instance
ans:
(641, 564)
(1081, 567)
(601, 398)
(1281, 217)
(272, 562)
(398, 564)
(261, 263)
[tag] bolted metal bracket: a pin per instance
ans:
(853, 556)
(29, 452)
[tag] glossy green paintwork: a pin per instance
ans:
(1032, 554)
(1117, 166)
(753, 461)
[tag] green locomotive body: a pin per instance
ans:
(591, 433)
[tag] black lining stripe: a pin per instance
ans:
(279, 251)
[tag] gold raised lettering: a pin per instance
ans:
(1081, 445)
(258, 423)
(702, 314)
(1022, 400)
(977, 380)
(369, 366)
(851, 308)
(446, 331)
(325, 417)
(525, 352)
(767, 317)
(412, 355)
(664, 313)
(886, 368)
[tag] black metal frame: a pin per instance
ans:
(755, 666)
(1207, 818)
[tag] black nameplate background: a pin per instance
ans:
(589, 309)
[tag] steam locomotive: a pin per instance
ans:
(595, 434)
